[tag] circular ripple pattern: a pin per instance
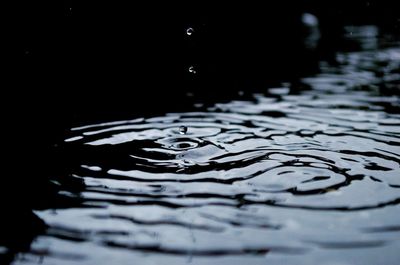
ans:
(285, 177)
(318, 162)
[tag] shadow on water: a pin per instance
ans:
(256, 124)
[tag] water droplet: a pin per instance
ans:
(309, 20)
(189, 31)
(183, 130)
(192, 70)
(198, 105)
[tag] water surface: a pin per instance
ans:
(304, 173)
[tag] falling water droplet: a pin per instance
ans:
(192, 70)
(189, 31)
(183, 130)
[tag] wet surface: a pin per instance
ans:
(303, 173)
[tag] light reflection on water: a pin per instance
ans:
(283, 177)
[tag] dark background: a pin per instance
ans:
(87, 59)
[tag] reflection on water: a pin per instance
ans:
(284, 177)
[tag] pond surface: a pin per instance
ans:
(305, 173)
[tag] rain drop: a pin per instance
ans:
(183, 130)
(192, 70)
(189, 31)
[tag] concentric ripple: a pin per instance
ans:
(286, 177)
(329, 156)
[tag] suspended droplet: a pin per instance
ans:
(192, 70)
(189, 31)
(183, 130)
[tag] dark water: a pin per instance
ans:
(305, 173)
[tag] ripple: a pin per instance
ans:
(281, 173)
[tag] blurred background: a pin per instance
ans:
(91, 55)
